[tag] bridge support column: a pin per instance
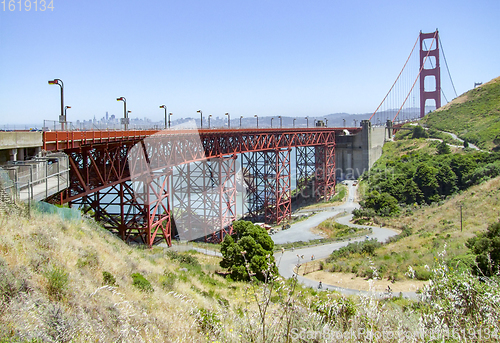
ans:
(267, 179)
(305, 164)
(204, 198)
(136, 211)
(325, 172)
(254, 166)
(435, 71)
(278, 187)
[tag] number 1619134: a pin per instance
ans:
(27, 5)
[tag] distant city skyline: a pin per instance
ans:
(291, 58)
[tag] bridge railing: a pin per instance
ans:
(36, 179)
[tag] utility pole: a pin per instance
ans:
(461, 222)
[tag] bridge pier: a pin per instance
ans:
(325, 172)
(204, 198)
(267, 178)
(305, 162)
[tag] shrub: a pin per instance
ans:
(486, 247)
(89, 258)
(57, 283)
(108, 279)
(422, 274)
(140, 282)
(167, 281)
(184, 258)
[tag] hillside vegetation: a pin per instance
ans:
(473, 116)
(73, 281)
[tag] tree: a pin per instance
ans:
(425, 178)
(383, 203)
(447, 180)
(486, 247)
(252, 246)
(419, 132)
(443, 148)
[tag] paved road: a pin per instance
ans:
(288, 259)
(301, 231)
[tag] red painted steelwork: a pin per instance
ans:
(435, 71)
(99, 168)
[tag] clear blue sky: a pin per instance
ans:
(243, 57)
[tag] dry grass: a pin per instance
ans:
(190, 303)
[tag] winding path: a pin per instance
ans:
(288, 259)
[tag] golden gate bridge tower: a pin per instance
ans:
(434, 71)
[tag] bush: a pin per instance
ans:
(140, 282)
(184, 258)
(108, 279)
(486, 247)
(167, 281)
(89, 258)
(57, 283)
(422, 274)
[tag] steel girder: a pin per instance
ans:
(325, 172)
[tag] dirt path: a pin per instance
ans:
(349, 280)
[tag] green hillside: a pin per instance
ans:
(474, 116)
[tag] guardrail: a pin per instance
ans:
(36, 179)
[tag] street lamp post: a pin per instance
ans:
(326, 122)
(165, 108)
(62, 117)
(294, 122)
(307, 119)
(257, 117)
(272, 122)
(169, 115)
(125, 115)
(201, 118)
(210, 116)
(344, 122)
(241, 117)
(65, 116)
(228, 120)
(281, 122)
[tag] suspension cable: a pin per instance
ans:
(446, 63)
(419, 72)
(414, 45)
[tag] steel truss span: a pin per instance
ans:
(140, 207)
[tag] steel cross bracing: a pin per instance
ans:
(204, 198)
(99, 165)
(325, 172)
(305, 163)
